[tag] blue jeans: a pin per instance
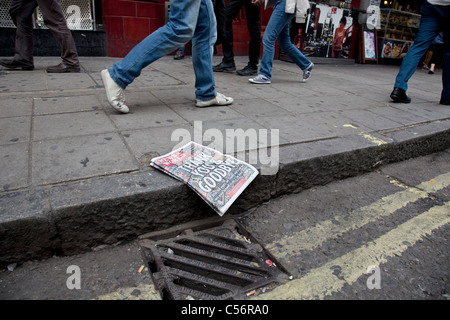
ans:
(278, 28)
(188, 20)
(434, 20)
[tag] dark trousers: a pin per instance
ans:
(219, 11)
(252, 13)
(21, 12)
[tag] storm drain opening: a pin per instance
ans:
(214, 259)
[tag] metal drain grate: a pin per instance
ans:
(216, 259)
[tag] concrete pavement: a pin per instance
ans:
(75, 174)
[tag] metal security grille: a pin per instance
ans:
(216, 260)
(5, 19)
(78, 13)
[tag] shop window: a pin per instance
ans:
(79, 15)
(5, 18)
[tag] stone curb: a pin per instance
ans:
(80, 216)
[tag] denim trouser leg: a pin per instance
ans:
(205, 36)
(278, 28)
(183, 22)
(429, 29)
(284, 40)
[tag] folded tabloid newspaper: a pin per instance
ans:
(219, 179)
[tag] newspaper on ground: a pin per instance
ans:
(219, 179)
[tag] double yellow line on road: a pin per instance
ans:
(321, 281)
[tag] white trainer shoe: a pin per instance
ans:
(260, 79)
(307, 72)
(114, 93)
(219, 100)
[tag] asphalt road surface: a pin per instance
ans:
(382, 235)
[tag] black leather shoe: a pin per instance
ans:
(445, 102)
(225, 66)
(248, 71)
(13, 64)
(62, 68)
(399, 95)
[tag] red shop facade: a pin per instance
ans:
(127, 22)
(108, 27)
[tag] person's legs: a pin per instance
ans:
(21, 14)
(428, 57)
(288, 47)
(54, 19)
(429, 29)
(231, 10)
(183, 22)
(202, 51)
(219, 12)
(253, 24)
(276, 23)
(179, 30)
(445, 95)
(278, 28)
(296, 55)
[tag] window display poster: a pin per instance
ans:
(369, 45)
(395, 49)
(321, 24)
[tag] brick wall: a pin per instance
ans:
(127, 22)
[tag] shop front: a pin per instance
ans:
(326, 32)
(363, 31)
(332, 30)
(399, 24)
(128, 22)
(107, 27)
(83, 18)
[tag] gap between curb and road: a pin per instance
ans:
(79, 216)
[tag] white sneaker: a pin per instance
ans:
(114, 93)
(219, 100)
(260, 79)
(307, 72)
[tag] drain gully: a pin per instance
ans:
(216, 259)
